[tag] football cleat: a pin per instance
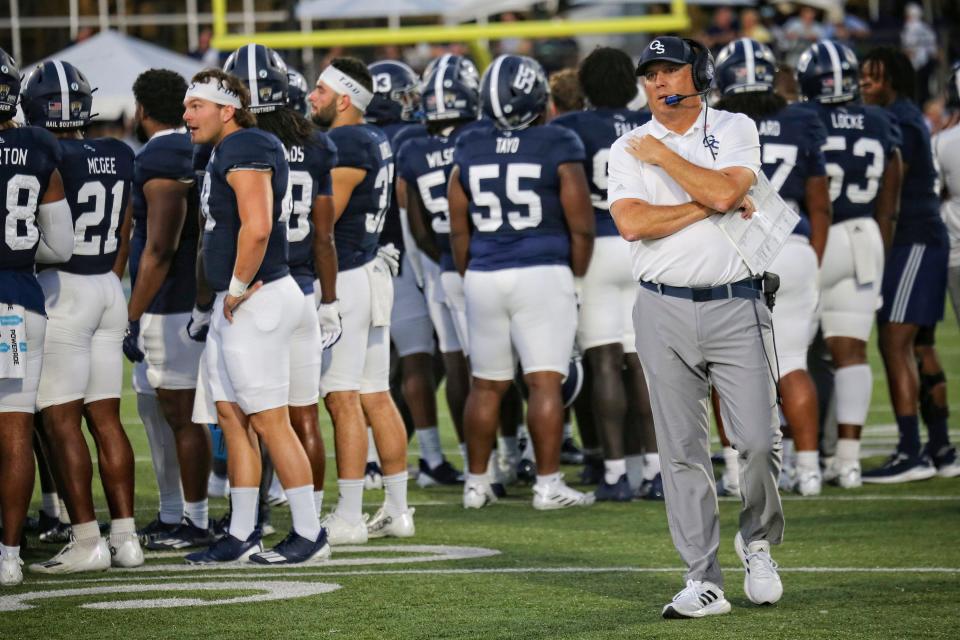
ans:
(697, 600)
(728, 485)
(809, 482)
(592, 472)
(59, 533)
(946, 462)
(339, 531)
(295, 549)
(227, 549)
(221, 527)
(384, 525)
(845, 475)
(76, 558)
(442, 474)
(127, 554)
(185, 536)
(526, 471)
(557, 495)
(477, 495)
(156, 529)
(373, 476)
(616, 492)
(570, 453)
(11, 571)
(901, 467)
(761, 583)
(788, 479)
(651, 489)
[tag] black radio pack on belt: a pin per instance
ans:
(771, 284)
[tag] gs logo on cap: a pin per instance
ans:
(657, 46)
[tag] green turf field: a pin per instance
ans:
(879, 562)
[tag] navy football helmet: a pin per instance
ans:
(745, 66)
(396, 93)
(57, 95)
(451, 90)
(265, 74)
(828, 73)
(297, 92)
(514, 91)
(9, 86)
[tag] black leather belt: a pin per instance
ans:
(749, 289)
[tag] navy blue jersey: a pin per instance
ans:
(97, 177)
(170, 157)
(860, 140)
(310, 167)
(919, 221)
(247, 149)
(512, 182)
(598, 129)
(790, 152)
(356, 233)
(425, 163)
(28, 156)
(398, 133)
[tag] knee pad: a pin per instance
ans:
(854, 386)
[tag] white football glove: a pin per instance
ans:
(199, 324)
(391, 257)
(330, 328)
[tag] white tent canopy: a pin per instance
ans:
(112, 61)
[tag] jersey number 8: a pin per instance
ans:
(25, 213)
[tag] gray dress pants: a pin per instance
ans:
(685, 347)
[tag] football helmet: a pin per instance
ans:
(745, 66)
(451, 90)
(396, 93)
(828, 73)
(297, 92)
(514, 92)
(265, 74)
(9, 86)
(57, 95)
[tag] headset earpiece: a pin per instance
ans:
(701, 65)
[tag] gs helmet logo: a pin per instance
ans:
(657, 46)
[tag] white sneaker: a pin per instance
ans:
(761, 582)
(339, 531)
(788, 478)
(699, 599)
(557, 495)
(372, 477)
(127, 554)
(383, 525)
(11, 571)
(477, 495)
(845, 474)
(75, 558)
(809, 482)
(729, 485)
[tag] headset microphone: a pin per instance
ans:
(677, 98)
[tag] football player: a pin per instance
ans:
(297, 91)
(312, 254)
(863, 168)
(244, 375)
(85, 308)
(521, 228)
(163, 259)
(355, 381)
(915, 279)
(37, 228)
(608, 82)
(791, 138)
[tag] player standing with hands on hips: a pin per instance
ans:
(699, 319)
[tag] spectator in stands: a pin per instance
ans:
(845, 27)
(751, 27)
(799, 33)
(722, 30)
(920, 44)
(204, 52)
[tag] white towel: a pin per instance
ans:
(381, 292)
(13, 346)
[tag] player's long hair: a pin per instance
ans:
(896, 69)
(288, 125)
(436, 127)
(754, 104)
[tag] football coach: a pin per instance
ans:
(700, 318)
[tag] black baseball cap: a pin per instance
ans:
(665, 49)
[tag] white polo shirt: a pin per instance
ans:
(946, 153)
(699, 255)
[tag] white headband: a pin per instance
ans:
(345, 85)
(213, 91)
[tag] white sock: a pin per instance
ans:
(550, 479)
(808, 460)
(87, 534)
(350, 505)
(9, 552)
(303, 512)
(163, 454)
(372, 447)
(243, 511)
(64, 514)
(50, 505)
(528, 452)
(198, 512)
(430, 450)
(567, 430)
(318, 501)
(121, 530)
(478, 478)
(848, 450)
(651, 465)
(509, 449)
(731, 459)
(463, 452)
(634, 470)
(612, 470)
(395, 494)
